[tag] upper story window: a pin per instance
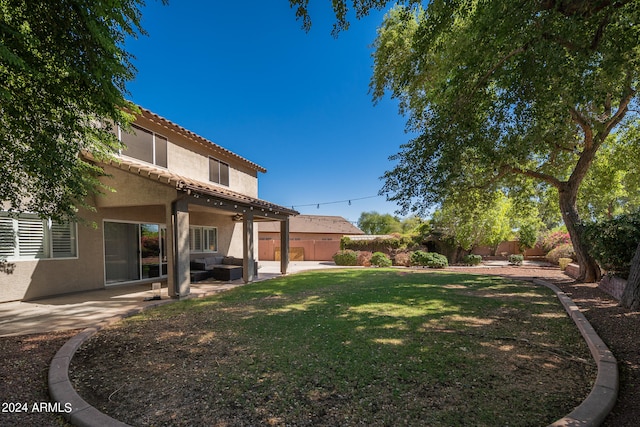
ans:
(145, 145)
(218, 171)
(29, 237)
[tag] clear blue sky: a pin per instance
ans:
(247, 77)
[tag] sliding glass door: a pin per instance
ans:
(133, 251)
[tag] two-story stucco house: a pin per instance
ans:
(178, 196)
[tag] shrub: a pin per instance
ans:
(564, 262)
(346, 257)
(402, 258)
(472, 259)
(364, 258)
(554, 239)
(429, 259)
(381, 260)
(562, 251)
(379, 244)
(613, 242)
(516, 259)
(527, 236)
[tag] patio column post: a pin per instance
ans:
(169, 250)
(284, 245)
(180, 225)
(248, 256)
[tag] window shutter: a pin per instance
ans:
(63, 241)
(195, 239)
(31, 242)
(212, 239)
(7, 238)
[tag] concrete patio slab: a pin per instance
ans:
(84, 309)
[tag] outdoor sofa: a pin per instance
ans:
(219, 267)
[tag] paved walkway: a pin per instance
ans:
(83, 309)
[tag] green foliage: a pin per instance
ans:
(380, 260)
(527, 236)
(379, 244)
(376, 223)
(471, 259)
(564, 250)
(340, 9)
(63, 71)
(497, 94)
(429, 259)
(474, 217)
(564, 262)
(612, 186)
(346, 257)
(476, 84)
(516, 259)
(613, 242)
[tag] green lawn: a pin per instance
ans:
(345, 347)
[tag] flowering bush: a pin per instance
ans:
(364, 258)
(554, 239)
(562, 251)
(402, 258)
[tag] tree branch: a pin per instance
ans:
(623, 108)
(552, 180)
(493, 69)
(584, 124)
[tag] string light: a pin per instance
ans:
(317, 205)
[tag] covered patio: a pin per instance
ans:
(181, 203)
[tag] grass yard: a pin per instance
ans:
(344, 347)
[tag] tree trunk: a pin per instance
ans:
(589, 268)
(631, 295)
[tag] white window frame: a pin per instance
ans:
(45, 241)
(205, 239)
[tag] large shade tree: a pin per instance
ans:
(63, 70)
(499, 89)
(377, 223)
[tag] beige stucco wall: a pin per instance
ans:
(135, 199)
(190, 158)
(132, 190)
(38, 278)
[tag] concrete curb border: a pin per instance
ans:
(60, 388)
(595, 408)
(590, 413)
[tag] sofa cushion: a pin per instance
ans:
(207, 263)
(229, 260)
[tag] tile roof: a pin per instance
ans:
(150, 115)
(190, 185)
(314, 224)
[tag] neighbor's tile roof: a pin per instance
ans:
(314, 224)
